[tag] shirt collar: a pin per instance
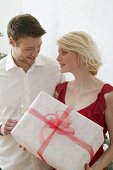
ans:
(39, 61)
(10, 64)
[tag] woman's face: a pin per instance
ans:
(67, 60)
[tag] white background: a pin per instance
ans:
(61, 16)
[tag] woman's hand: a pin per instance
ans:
(87, 167)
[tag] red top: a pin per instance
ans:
(94, 111)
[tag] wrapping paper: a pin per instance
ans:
(57, 134)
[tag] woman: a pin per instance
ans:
(87, 94)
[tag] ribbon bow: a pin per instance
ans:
(59, 125)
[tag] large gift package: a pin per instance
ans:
(57, 134)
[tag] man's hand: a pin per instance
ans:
(87, 167)
(7, 126)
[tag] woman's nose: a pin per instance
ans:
(58, 58)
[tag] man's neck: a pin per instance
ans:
(21, 64)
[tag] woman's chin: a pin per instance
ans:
(63, 71)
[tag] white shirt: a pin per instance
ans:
(19, 88)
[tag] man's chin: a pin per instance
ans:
(31, 61)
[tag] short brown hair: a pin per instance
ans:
(24, 25)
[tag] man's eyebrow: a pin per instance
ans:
(33, 46)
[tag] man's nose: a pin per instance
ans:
(35, 52)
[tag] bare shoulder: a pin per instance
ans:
(109, 114)
(109, 101)
(109, 96)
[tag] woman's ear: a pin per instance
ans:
(12, 42)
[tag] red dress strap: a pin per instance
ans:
(61, 90)
(61, 86)
(107, 88)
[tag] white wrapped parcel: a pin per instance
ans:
(53, 132)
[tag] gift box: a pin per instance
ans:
(57, 134)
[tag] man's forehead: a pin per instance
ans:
(30, 42)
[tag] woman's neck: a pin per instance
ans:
(84, 80)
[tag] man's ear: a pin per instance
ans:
(12, 42)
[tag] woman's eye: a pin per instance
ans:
(64, 52)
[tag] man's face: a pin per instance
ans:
(26, 50)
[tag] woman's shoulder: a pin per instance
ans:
(107, 88)
(106, 93)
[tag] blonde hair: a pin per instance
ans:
(82, 44)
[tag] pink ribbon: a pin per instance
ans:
(59, 125)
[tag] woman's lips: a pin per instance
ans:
(62, 65)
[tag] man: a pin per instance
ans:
(23, 74)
